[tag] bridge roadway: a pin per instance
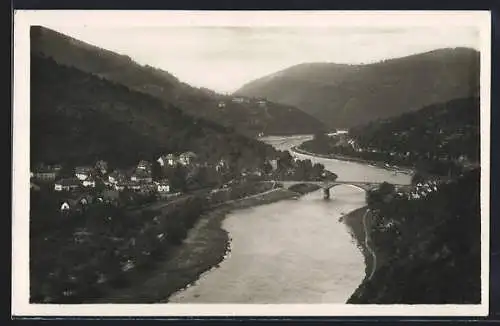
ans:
(327, 185)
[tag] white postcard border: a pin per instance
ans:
(20, 200)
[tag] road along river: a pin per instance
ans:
(292, 251)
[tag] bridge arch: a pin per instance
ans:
(327, 188)
(347, 184)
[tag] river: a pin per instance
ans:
(292, 251)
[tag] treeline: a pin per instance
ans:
(291, 169)
(428, 249)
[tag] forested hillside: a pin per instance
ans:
(77, 117)
(248, 117)
(437, 138)
(429, 249)
(450, 128)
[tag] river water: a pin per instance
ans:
(292, 251)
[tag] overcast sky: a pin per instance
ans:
(225, 58)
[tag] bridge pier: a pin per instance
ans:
(326, 193)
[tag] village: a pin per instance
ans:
(79, 186)
(89, 183)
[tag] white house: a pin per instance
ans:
(83, 172)
(67, 184)
(163, 186)
(89, 183)
(239, 100)
(222, 164)
(144, 165)
(116, 176)
(65, 206)
(187, 158)
(168, 159)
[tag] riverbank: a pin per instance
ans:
(359, 222)
(382, 165)
(204, 248)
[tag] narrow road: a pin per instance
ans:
(367, 245)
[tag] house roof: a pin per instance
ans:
(83, 169)
(68, 182)
(144, 163)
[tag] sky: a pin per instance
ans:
(224, 58)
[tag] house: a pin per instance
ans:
(116, 176)
(262, 103)
(163, 186)
(120, 186)
(89, 183)
(68, 184)
(187, 158)
(144, 165)
(83, 172)
(85, 199)
(221, 165)
(101, 167)
(141, 175)
(64, 206)
(239, 100)
(128, 265)
(46, 173)
(162, 160)
(69, 204)
(171, 159)
(274, 164)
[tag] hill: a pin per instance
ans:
(437, 138)
(443, 129)
(249, 117)
(343, 95)
(432, 252)
(77, 118)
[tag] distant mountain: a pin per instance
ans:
(249, 117)
(77, 118)
(343, 95)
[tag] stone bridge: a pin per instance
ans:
(327, 185)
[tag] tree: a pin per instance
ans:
(156, 171)
(417, 177)
(177, 177)
(382, 194)
(267, 167)
(285, 161)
